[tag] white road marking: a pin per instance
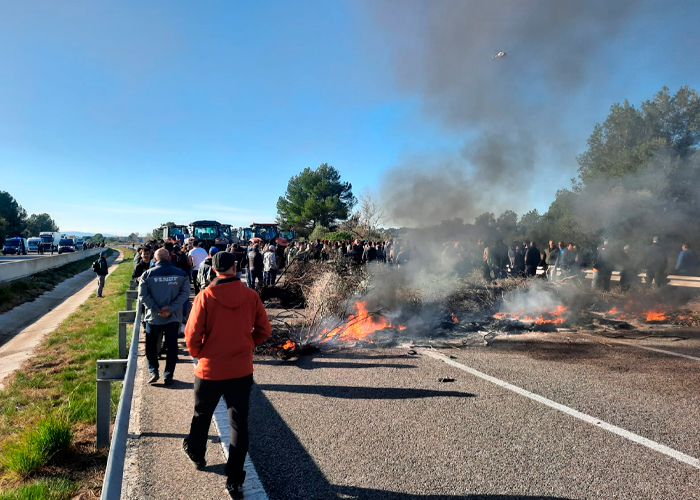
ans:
(670, 353)
(681, 457)
(252, 488)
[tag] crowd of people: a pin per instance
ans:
(221, 326)
(564, 260)
(227, 319)
(263, 262)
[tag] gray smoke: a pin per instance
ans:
(508, 109)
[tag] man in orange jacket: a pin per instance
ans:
(226, 322)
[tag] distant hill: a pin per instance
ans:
(82, 234)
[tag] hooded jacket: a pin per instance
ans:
(227, 321)
(206, 273)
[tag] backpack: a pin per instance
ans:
(96, 265)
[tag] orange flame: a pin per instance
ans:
(454, 318)
(655, 315)
(289, 345)
(613, 311)
(544, 317)
(359, 326)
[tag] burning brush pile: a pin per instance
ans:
(385, 306)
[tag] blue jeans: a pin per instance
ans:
(153, 333)
(252, 276)
(269, 277)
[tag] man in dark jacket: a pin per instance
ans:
(101, 270)
(255, 266)
(206, 272)
(163, 290)
(603, 267)
(143, 264)
(518, 262)
(656, 261)
(532, 259)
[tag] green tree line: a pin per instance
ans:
(14, 220)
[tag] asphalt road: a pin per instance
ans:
(377, 424)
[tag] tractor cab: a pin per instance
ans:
(175, 233)
(209, 233)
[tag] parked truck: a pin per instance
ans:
(15, 246)
(50, 240)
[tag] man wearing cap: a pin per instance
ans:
(227, 321)
(101, 268)
(206, 274)
(163, 290)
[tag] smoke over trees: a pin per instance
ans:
(508, 110)
(639, 177)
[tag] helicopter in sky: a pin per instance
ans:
(499, 54)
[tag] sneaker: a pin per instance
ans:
(153, 378)
(168, 381)
(199, 464)
(234, 490)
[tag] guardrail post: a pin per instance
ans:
(133, 284)
(125, 317)
(108, 371)
(131, 297)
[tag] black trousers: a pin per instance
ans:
(153, 335)
(194, 281)
(236, 393)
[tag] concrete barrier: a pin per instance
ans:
(24, 268)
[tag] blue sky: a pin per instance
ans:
(117, 116)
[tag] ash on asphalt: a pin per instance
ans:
(377, 424)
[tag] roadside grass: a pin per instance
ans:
(15, 293)
(48, 407)
(42, 489)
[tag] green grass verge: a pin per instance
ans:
(53, 395)
(41, 489)
(38, 445)
(26, 289)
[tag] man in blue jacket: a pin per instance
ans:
(687, 264)
(163, 290)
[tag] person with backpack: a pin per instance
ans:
(206, 273)
(100, 267)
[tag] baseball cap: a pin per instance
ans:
(223, 261)
(213, 250)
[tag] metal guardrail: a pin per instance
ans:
(107, 372)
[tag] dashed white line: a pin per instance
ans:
(681, 457)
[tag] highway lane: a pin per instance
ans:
(9, 259)
(378, 424)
